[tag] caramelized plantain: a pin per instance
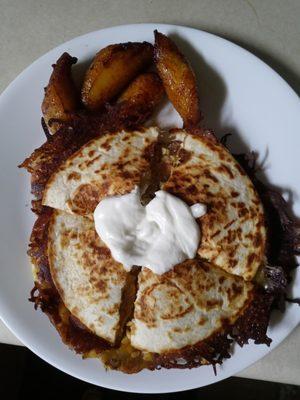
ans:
(61, 97)
(145, 89)
(178, 79)
(112, 70)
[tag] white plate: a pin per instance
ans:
(240, 94)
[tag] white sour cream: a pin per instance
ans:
(158, 236)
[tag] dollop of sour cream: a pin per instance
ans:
(158, 236)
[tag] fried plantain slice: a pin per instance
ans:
(146, 89)
(112, 70)
(178, 79)
(61, 97)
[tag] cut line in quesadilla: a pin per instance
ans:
(90, 282)
(193, 167)
(185, 306)
(233, 229)
(45, 295)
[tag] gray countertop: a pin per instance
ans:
(268, 28)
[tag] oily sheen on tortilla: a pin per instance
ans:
(90, 282)
(111, 164)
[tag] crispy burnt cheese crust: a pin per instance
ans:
(128, 342)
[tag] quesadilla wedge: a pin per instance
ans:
(90, 282)
(185, 306)
(233, 229)
(111, 164)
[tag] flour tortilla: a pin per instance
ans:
(233, 229)
(185, 306)
(88, 280)
(111, 164)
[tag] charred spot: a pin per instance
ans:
(234, 193)
(260, 223)
(92, 161)
(242, 212)
(86, 198)
(177, 330)
(250, 259)
(256, 201)
(191, 189)
(221, 280)
(106, 145)
(234, 291)
(224, 169)
(228, 171)
(74, 176)
(126, 138)
(239, 233)
(102, 253)
(184, 156)
(103, 270)
(213, 303)
(205, 267)
(126, 174)
(232, 263)
(242, 209)
(210, 176)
